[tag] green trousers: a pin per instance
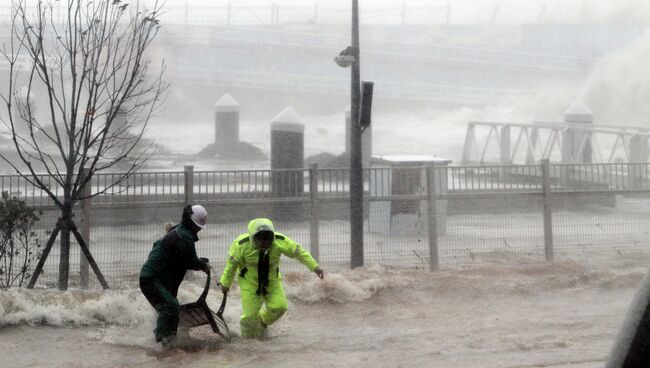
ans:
(165, 304)
(260, 311)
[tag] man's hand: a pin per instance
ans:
(224, 289)
(206, 265)
(319, 271)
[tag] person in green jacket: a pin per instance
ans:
(165, 268)
(256, 255)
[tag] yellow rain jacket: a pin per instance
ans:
(244, 257)
(244, 254)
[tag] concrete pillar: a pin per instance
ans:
(395, 175)
(638, 170)
(287, 152)
(576, 116)
(226, 120)
(639, 147)
(366, 140)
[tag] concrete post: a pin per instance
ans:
(314, 219)
(576, 116)
(548, 219)
(287, 152)
(226, 121)
(84, 230)
(366, 140)
(188, 185)
(638, 170)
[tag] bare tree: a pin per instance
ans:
(88, 59)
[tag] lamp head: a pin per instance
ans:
(345, 58)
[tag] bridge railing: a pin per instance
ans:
(568, 143)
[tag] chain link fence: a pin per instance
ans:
(484, 214)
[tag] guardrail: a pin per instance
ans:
(399, 200)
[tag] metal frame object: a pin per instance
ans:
(199, 313)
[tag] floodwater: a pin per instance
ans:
(562, 314)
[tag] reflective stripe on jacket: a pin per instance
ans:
(243, 254)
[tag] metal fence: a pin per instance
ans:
(484, 214)
(274, 14)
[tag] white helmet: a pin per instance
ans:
(199, 215)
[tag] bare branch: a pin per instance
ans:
(98, 90)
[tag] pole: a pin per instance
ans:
(314, 245)
(432, 213)
(356, 171)
(548, 211)
(188, 183)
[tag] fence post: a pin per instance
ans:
(432, 214)
(548, 219)
(314, 245)
(189, 184)
(84, 229)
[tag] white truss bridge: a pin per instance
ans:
(568, 143)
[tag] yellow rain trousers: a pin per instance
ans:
(254, 317)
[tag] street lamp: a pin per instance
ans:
(350, 57)
(345, 58)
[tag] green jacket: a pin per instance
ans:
(244, 254)
(171, 257)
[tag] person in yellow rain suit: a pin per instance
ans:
(256, 255)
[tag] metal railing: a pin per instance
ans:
(503, 213)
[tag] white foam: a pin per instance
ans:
(350, 286)
(617, 89)
(73, 307)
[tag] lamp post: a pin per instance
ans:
(350, 57)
